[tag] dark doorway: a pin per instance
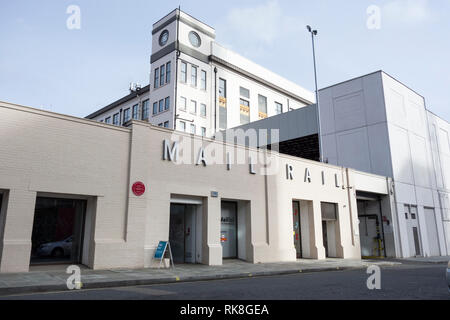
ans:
(58, 230)
(325, 237)
(182, 232)
(297, 228)
(416, 241)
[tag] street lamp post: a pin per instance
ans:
(314, 33)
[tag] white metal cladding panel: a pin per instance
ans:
(419, 158)
(401, 156)
(379, 149)
(349, 111)
(433, 240)
(353, 149)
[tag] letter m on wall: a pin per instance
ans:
(170, 154)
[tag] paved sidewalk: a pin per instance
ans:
(442, 259)
(45, 279)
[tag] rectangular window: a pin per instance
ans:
(162, 76)
(203, 132)
(126, 115)
(193, 107)
(136, 111)
(166, 124)
(222, 88)
(160, 124)
(155, 108)
(203, 110)
(203, 80)
(168, 65)
(161, 105)
(116, 119)
(182, 103)
(278, 108)
(194, 76)
(167, 103)
(222, 104)
(244, 111)
(101, 120)
(262, 106)
(145, 109)
(192, 128)
(156, 80)
(183, 69)
(244, 92)
(108, 120)
(182, 126)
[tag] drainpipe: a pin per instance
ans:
(392, 185)
(177, 55)
(215, 100)
(382, 227)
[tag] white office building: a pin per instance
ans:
(198, 86)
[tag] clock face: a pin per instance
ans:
(163, 38)
(194, 38)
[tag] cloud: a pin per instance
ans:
(257, 28)
(407, 11)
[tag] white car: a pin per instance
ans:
(57, 249)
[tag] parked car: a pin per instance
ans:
(57, 249)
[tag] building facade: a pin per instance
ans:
(376, 124)
(69, 187)
(198, 86)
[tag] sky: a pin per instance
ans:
(44, 64)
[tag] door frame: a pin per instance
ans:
(299, 228)
(236, 226)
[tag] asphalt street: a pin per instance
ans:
(408, 281)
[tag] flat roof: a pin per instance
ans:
(116, 103)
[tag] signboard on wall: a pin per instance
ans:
(138, 188)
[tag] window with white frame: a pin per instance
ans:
(183, 103)
(136, 111)
(183, 71)
(168, 72)
(192, 128)
(162, 76)
(167, 103)
(203, 80)
(116, 119)
(126, 115)
(145, 109)
(278, 108)
(156, 79)
(193, 107)
(203, 132)
(194, 76)
(182, 126)
(203, 110)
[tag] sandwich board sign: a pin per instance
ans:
(161, 251)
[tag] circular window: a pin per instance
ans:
(163, 38)
(194, 38)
